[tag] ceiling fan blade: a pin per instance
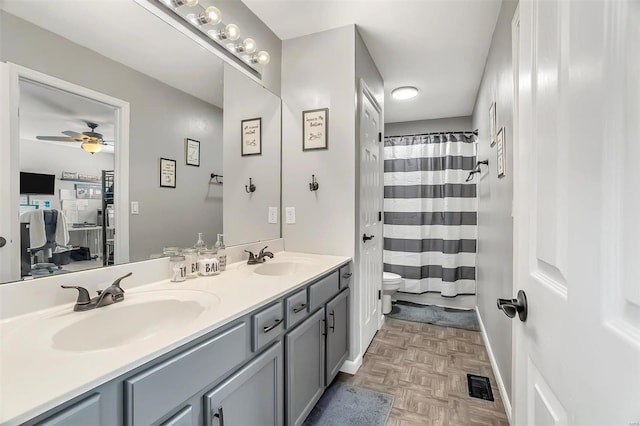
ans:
(56, 139)
(73, 134)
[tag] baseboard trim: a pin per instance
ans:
(494, 365)
(352, 367)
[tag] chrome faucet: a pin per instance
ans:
(112, 294)
(260, 258)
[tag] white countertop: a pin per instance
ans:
(35, 377)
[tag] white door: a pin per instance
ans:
(577, 232)
(9, 236)
(370, 236)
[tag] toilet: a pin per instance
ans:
(390, 284)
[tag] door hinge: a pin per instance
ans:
(379, 294)
(379, 136)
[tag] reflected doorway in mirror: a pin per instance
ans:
(252, 136)
(192, 152)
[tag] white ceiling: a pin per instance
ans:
(48, 112)
(127, 33)
(439, 46)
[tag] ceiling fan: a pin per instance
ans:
(92, 141)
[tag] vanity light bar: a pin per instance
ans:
(209, 22)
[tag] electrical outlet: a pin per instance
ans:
(273, 215)
(291, 215)
(135, 207)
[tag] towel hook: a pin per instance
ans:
(477, 169)
(313, 185)
(251, 187)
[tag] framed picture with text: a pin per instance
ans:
(192, 152)
(492, 123)
(167, 173)
(501, 148)
(251, 137)
(315, 128)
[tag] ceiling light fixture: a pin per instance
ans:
(92, 146)
(404, 93)
(262, 58)
(189, 3)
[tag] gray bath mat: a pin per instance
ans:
(437, 315)
(346, 405)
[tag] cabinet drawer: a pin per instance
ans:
(151, 394)
(267, 326)
(297, 307)
(183, 418)
(323, 290)
(86, 412)
(346, 274)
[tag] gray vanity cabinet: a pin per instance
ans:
(185, 417)
(337, 312)
(252, 396)
(85, 412)
(304, 381)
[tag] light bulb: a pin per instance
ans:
(262, 58)
(231, 32)
(248, 45)
(211, 15)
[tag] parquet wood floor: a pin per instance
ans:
(425, 367)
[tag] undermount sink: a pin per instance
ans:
(282, 268)
(139, 317)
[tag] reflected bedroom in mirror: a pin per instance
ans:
(124, 147)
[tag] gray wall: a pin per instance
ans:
(161, 117)
(318, 71)
(247, 214)
(235, 11)
(428, 126)
(495, 196)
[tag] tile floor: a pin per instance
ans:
(425, 367)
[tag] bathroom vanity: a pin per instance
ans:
(260, 349)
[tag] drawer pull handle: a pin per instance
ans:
(347, 275)
(333, 321)
(323, 327)
(220, 416)
(299, 308)
(268, 328)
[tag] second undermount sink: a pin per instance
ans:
(138, 317)
(282, 268)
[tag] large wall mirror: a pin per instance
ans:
(123, 144)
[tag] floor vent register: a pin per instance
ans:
(479, 387)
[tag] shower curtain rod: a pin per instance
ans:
(475, 132)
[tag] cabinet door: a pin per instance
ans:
(305, 367)
(184, 417)
(252, 396)
(337, 334)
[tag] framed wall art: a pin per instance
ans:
(192, 152)
(167, 173)
(315, 127)
(501, 148)
(492, 123)
(251, 136)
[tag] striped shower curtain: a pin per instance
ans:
(431, 212)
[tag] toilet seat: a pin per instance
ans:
(391, 281)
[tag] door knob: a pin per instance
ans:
(3, 242)
(366, 238)
(511, 307)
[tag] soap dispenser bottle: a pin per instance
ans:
(200, 245)
(222, 253)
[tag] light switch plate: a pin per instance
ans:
(291, 215)
(135, 207)
(273, 215)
